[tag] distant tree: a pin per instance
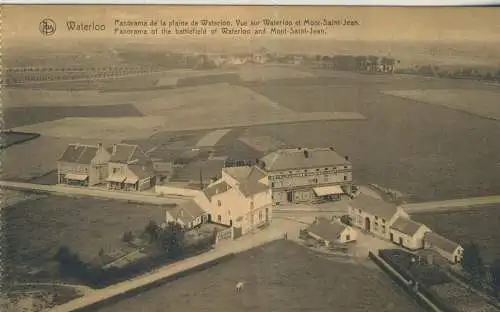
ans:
(346, 219)
(488, 76)
(373, 59)
(152, 230)
(495, 274)
(127, 237)
(472, 262)
(171, 240)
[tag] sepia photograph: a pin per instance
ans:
(249, 158)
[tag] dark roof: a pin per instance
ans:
(252, 185)
(78, 153)
(216, 188)
(373, 206)
(326, 229)
(440, 242)
(406, 226)
(249, 179)
(187, 212)
(141, 171)
(127, 153)
(285, 159)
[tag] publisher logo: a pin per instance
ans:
(47, 27)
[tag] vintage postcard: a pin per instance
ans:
(250, 158)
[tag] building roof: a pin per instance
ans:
(187, 212)
(406, 226)
(373, 206)
(326, 229)
(248, 179)
(440, 242)
(217, 187)
(285, 159)
(128, 153)
(79, 153)
(141, 171)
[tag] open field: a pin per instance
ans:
(8, 138)
(35, 229)
(427, 152)
(284, 277)
(479, 102)
(212, 138)
(479, 225)
(20, 116)
(37, 157)
(123, 128)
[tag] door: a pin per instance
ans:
(391, 237)
(367, 224)
(267, 214)
(401, 241)
(289, 196)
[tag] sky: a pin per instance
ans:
(21, 22)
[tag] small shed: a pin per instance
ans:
(331, 232)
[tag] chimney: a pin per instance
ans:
(99, 147)
(347, 158)
(114, 149)
(331, 148)
(306, 154)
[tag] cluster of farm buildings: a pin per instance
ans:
(242, 197)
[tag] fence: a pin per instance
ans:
(227, 234)
(406, 284)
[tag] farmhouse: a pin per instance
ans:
(301, 175)
(448, 249)
(240, 198)
(331, 232)
(129, 168)
(374, 215)
(83, 165)
(408, 233)
(189, 215)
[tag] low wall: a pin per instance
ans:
(157, 283)
(169, 190)
(421, 299)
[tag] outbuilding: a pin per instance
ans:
(331, 232)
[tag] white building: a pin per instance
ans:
(408, 233)
(331, 232)
(374, 215)
(189, 215)
(451, 251)
(240, 198)
(301, 175)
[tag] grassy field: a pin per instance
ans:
(479, 225)
(427, 152)
(35, 229)
(20, 116)
(280, 276)
(26, 161)
(11, 138)
(481, 103)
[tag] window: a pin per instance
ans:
(383, 229)
(376, 217)
(383, 220)
(115, 170)
(326, 169)
(348, 237)
(345, 167)
(260, 215)
(317, 169)
(359, 210)
(219, 203)
(86, 169)
(219, 219)
(272, 184)
(345, 178)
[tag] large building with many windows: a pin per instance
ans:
(302, 175)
